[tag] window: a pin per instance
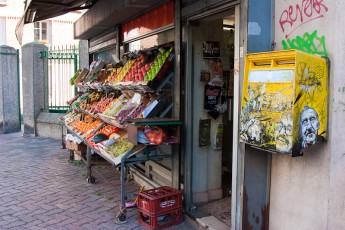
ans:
(2, 30)
(42, 32)
(3, 3)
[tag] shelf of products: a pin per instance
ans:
(119, 108)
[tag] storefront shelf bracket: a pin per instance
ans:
(167, 80)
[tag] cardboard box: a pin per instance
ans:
(81, 77)
(76, 147)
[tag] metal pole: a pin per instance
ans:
(18, 79)
(123, 172)
(75, 69)
(89, 178)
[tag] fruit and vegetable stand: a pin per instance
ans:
(119, 111)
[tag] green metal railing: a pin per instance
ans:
(62, 64)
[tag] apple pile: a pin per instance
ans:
(163, 54)
(138, 70)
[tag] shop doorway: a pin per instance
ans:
(210, 67)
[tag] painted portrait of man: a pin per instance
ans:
(309, 125)
(283, 133)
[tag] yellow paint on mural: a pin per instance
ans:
(284, 102)
(311, 100)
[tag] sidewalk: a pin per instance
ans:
(40, 189)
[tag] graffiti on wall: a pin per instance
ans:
(285, 110)
(302, 13)
(309, 43)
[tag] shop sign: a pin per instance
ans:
(211, 49)
(148, 22)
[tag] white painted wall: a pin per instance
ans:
(308, 192)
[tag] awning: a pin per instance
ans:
(38, 10)
(107, 14)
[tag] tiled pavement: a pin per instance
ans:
(40, 189)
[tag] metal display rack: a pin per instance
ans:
(132, 156)
(123, 162)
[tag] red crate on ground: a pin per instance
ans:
(159, 200)
(156, 222)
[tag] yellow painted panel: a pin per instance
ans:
(311, 100)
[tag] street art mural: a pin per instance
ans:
(284, 103)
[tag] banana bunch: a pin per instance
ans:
(94, 97)
(84, 105)
(124, 71)
(113, 75)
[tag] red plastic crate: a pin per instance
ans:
(159, 200)
(156, 222)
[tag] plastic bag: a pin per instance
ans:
(154, 134)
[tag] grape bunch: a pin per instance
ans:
(120, 147)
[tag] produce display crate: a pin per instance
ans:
(110, 120)
(150, 86)
(104, 152)
(159, 201)
(81, 77)
(156, 222)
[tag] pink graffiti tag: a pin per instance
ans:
(302, 13)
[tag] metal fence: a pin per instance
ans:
(62, 64)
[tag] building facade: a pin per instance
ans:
(269, 190)
(53, 32)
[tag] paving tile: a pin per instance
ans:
(14, 224)
(28, 219)
(40, 190)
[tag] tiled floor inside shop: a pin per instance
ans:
(40, 189)
(220, 209)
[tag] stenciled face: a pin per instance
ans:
(283, 133)
(309, 127)
(255, 131)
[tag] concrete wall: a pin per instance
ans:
(35, 86)
(9, 91)
(308, 192)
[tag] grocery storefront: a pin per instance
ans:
(202, 169)
(173, 64)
